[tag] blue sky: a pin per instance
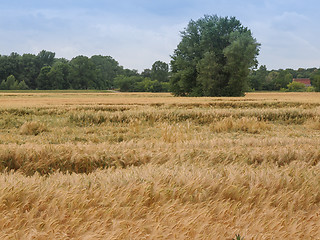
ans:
(139, 32)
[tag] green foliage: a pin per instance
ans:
(3, 85)
(146, 73)
(59, 75)
(139, 84)
(283, 90)
(311, 89)
(146, 85)
(160, 71)
(296, 87)
(154, 80)
(165, 86)
(213, 58)
(240, 57)
(82, 73)
(270, 83)
(315, 79)
(197, 75)
(23, 86)
(126, 84)
(30, 69)
(43, 80)
(275, 80)
(46, 58)
(152, 86)
(238, 237)
(106, 70)
(12, 84)
(9, 65)
(44, 71)
(257, 78)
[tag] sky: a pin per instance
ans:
(137, 33)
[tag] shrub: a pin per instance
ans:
(310, 89)
(296, 87)
(283, 90)
(22, 85)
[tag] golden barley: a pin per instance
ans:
(152, 166)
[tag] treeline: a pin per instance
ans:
(275, 80)
(45, 72)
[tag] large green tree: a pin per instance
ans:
(213, 58)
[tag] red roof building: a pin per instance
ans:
(305, 81)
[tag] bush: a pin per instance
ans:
(296, 87)
(310, 89)
(22, 85)
(283, 90)
(12, 84)
(139, 84)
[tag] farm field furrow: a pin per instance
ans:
(153, 166)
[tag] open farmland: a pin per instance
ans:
(151, 166)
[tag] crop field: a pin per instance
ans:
(90, 165)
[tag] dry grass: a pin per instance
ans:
(33, 128)
(244, 124)
(151, 166)
(313, 123)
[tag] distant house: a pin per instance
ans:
(305, 81)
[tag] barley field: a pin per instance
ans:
(82, 165)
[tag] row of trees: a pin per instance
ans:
(44, 71)
(155, 79)
(262, 79)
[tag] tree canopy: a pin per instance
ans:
(275, 80)
(213, 58)
(45, 72)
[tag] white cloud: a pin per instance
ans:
(138, 33)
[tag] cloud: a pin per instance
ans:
(134, 46)
(135, 41)
(138, 32)
(287, 41)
